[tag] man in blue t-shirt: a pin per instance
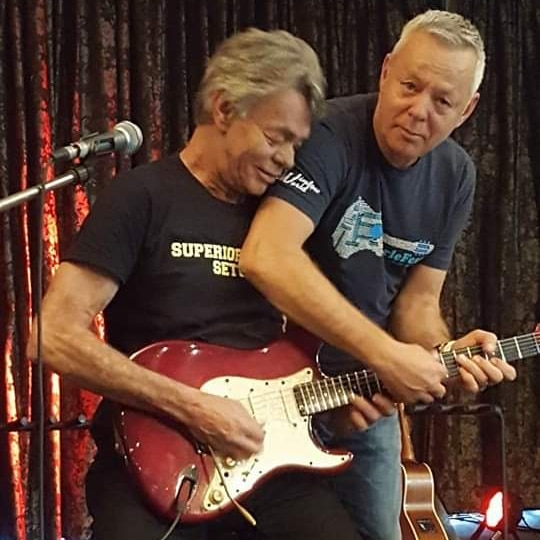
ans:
(355, 241)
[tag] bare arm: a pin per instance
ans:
(416, 313)
(75, 296)
(416, 318)
(273, 259)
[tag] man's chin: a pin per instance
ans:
(257, 189)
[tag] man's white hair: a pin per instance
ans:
(253, 64)
(453, 30)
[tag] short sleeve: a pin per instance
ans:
(459, 215)
(320, 168)
(114, 232)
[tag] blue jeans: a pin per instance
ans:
(370, 488)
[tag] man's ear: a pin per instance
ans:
(384, 69)
(469, 109)
(222, 111)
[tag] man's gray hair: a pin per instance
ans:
(253, 64)
(451, 29)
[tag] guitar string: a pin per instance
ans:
(531, 341)
(319, 394)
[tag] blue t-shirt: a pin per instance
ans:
(373, 222)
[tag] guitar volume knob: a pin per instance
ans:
(216, 496)
(229, 462)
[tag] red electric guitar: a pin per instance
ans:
(280, 386)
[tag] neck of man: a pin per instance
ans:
(204, 157)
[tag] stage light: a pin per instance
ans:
(495, 510)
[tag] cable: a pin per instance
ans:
(173, 525)
(243, 511)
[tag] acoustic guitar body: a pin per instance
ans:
(419, 519)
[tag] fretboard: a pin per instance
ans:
(332, 392)
(509, 350)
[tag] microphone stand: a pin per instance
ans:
(80, 173)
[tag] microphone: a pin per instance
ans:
(126, 138)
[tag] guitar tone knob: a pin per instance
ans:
(229, 462)
(216, 496)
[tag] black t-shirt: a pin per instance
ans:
(174, 249)
(373, 221)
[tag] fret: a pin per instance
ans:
(536, 339)
(309, 399)
(442, 360)
(331, 393)
(501, 351)
(328, 394)
(360, 384)
(319, 396)
(517, 348)
(350, 384)
(314, 399)
(449, 359)
(379, 389)
(358, 389)
(344, 390)
(370, 393)
(299, 398)
(341, 398)
(469, 352)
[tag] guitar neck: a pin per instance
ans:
(332, 392)
(407, 448)
(509, 350)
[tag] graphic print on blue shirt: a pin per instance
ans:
(361, 228)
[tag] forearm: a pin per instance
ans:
(79, 355)
(298, 288)
(419, 322)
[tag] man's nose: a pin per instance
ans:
(284, 155)
(420, 106)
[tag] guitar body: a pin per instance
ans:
(162, 456)
(280, 387)
(419, 519)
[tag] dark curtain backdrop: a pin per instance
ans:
(70, 67)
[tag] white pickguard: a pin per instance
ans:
(287, 434)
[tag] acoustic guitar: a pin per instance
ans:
(419, 519)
